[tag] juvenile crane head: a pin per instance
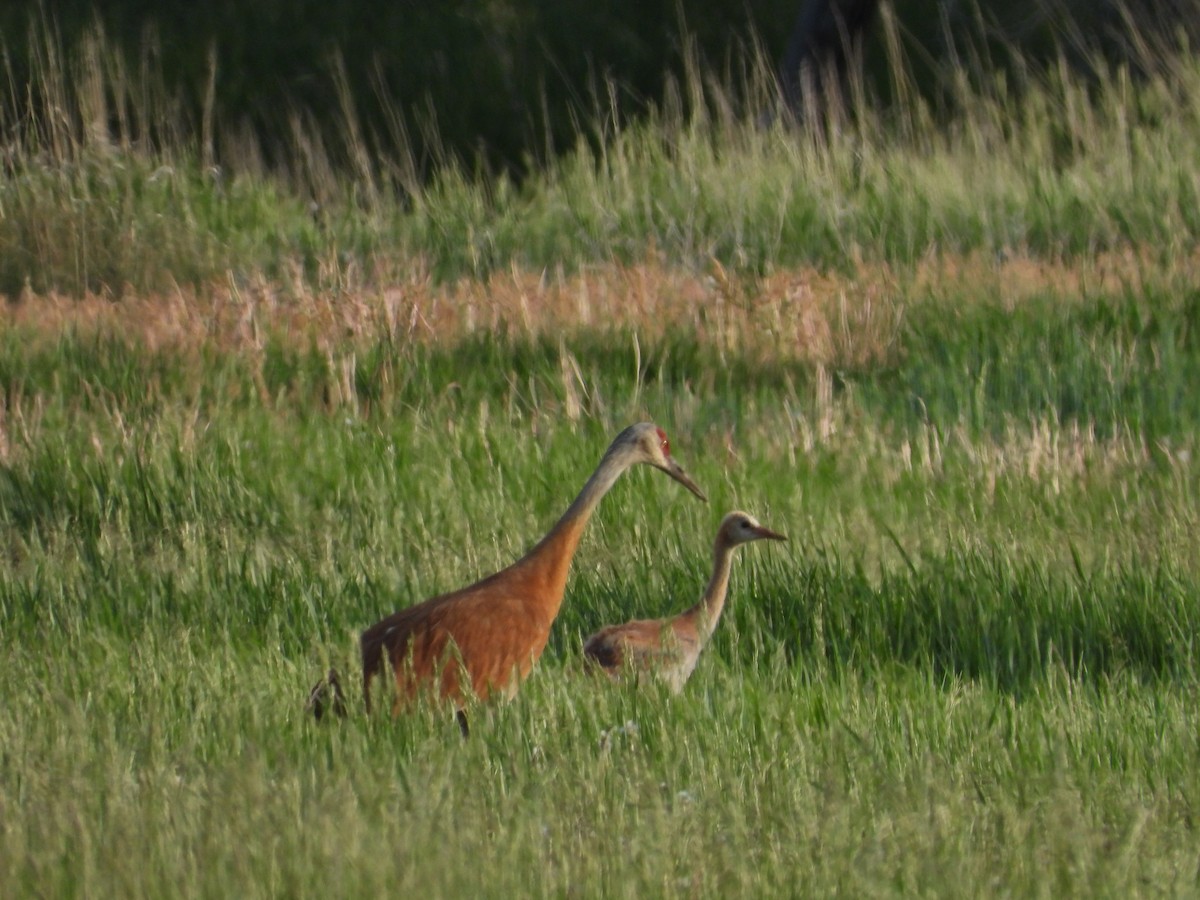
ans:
(739, 527)
(647, 443)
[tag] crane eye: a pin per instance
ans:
(664, 443)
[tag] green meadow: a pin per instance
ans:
(971, 671)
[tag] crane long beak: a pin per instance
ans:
(764, 532)
(675, 470)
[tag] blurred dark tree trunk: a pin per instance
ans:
(826, 43)
(825, 39)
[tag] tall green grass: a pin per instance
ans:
(107, 188)
(1067, 419)
(971, 671)
(188, 770)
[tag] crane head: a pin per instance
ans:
(649, 444)
(739, 527)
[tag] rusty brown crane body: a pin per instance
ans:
(669, 648)
(485, 638)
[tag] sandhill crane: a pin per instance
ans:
(670, 647)
(494, 630)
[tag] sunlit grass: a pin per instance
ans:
(751, 782)
(970, 670)
(1057, 166)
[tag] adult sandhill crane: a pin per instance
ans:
(669, 648)
(493, 631)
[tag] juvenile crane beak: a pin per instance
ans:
(764, 532)
(675, 470)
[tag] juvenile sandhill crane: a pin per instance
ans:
(669, 648)
(493, 631)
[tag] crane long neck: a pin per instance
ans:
(708, 611)
(551, 558)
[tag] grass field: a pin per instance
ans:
(971, 670)
(241, 434)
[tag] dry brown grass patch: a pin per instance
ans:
(835, 319)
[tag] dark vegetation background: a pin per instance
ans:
(508, 83)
